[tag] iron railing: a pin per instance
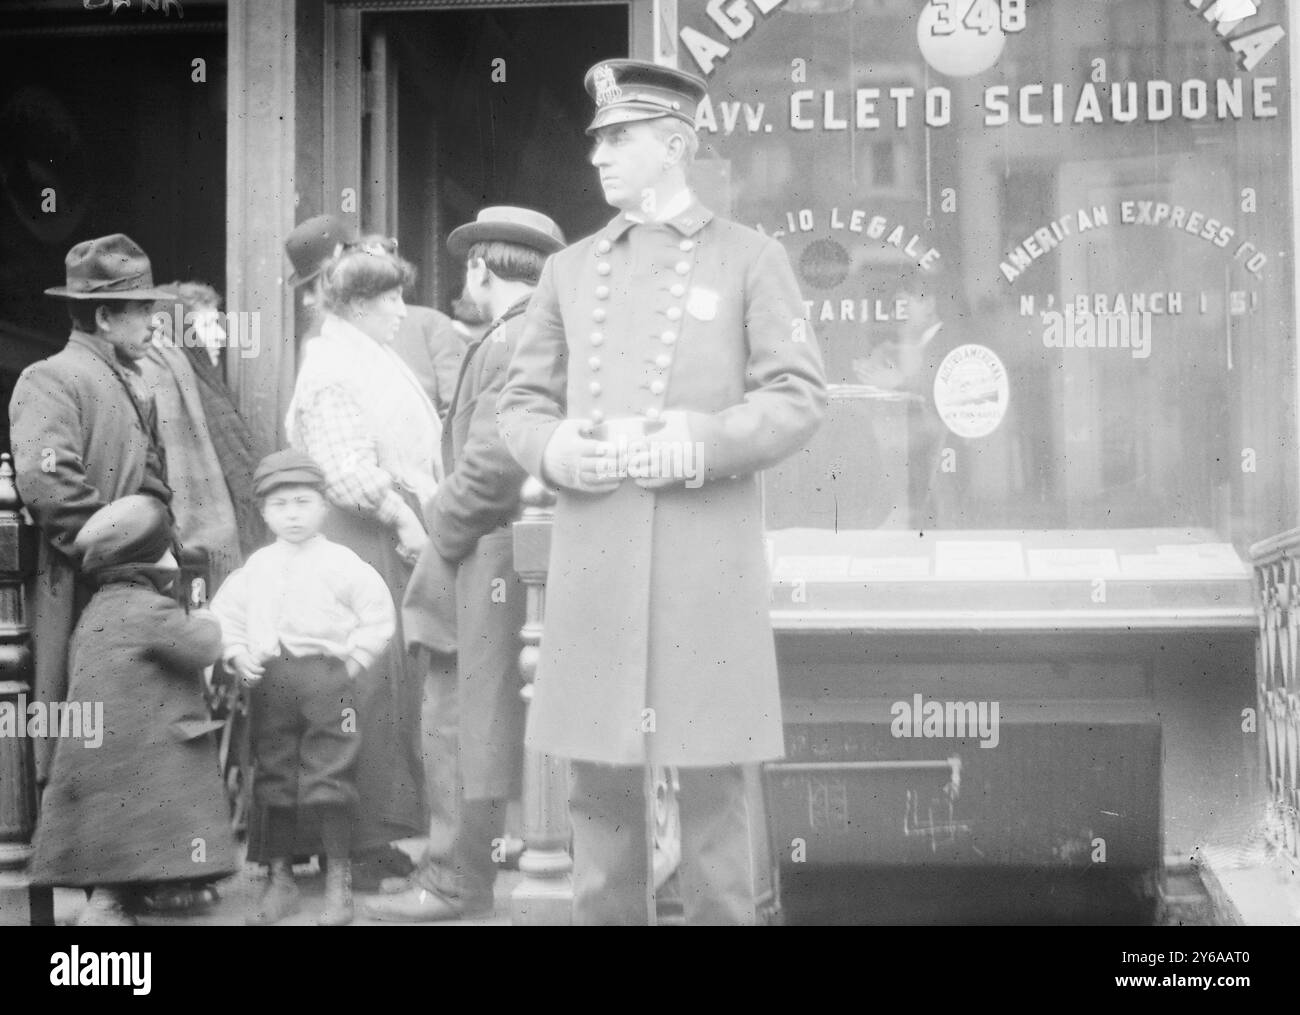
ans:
(1277, 586)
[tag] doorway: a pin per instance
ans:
(478, 108)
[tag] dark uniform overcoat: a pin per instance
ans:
(470, 536)
(657, 644)
(80, 441)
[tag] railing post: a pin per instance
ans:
(1277, 582)
(18, 902)
(545, 895)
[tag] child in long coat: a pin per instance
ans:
(140, 801)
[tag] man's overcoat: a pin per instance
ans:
(482, 608)
(657, 644)
(80, 441)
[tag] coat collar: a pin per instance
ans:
(688, 222)
(102, 348)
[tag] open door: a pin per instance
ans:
(436, 111)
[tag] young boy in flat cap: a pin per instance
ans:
(300, 621)
(137, 800)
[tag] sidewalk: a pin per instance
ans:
(1264, 892)
(239, 895)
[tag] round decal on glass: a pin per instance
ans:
(971, 391)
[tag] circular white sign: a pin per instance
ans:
(961, 37)
(971, 391)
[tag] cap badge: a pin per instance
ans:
(607, 89)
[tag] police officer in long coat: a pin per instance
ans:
(664, 362)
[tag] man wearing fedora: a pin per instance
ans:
(84, 434)
(465, 590)
(664, 362)
(427, 340)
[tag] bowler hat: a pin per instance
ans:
(507, 224)
(628, 90)
(312, 243)
(131, 530)
(290, 467)
(109, 268)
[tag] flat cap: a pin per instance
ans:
(132, 530)
(290, 467)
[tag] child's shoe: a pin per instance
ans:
(338, 895)
(280, 899)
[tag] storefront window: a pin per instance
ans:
(1046, 247)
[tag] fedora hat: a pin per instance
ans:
(507, 224)
(312, 243)
(109, 268)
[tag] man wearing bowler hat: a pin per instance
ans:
(84, 434)
(427, 340)
(664, 362)
(465, 591)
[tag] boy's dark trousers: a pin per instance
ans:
(306, 738)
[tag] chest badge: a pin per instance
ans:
(702, 304)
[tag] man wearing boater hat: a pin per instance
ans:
(84, 435)
(427, 340)
(464, 590)
(664, 362)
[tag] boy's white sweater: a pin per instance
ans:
(309, 598)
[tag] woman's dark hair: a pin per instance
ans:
(512, 262)
(363, 270)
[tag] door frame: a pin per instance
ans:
(350, 92)
(295, 95)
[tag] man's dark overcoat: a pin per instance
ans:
(80, 441)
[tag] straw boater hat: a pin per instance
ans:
(109, 268)
(507, 224)
(629, 90)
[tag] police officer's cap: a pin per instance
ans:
(628, 90)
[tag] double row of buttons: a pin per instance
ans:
(669, 337)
